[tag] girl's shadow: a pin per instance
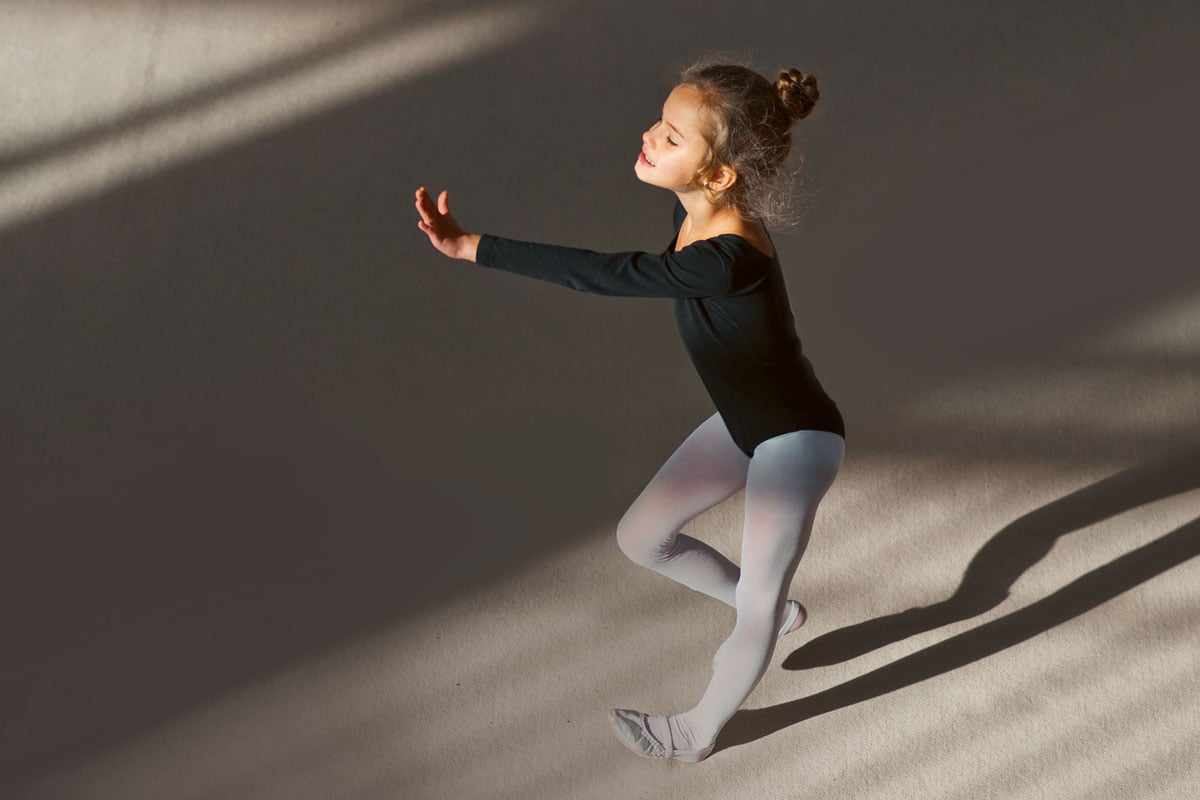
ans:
(1006, 556)
(985, 584)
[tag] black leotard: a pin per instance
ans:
(731, 310)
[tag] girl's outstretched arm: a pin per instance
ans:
(444, 232)
(703, 269)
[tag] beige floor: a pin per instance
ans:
(502, 694)
(294, 509)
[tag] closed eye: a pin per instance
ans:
(670, 141)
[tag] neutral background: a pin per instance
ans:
(292, 507)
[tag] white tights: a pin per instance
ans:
(784, 482)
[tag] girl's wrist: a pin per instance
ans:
(470, 246)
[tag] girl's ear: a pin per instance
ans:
(721, 179)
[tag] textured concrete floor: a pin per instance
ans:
(293, 508)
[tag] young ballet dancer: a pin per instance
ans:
(720, 146)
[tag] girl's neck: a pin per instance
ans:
(705, 220)
(703, 216)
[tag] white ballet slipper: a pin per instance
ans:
(633, 729)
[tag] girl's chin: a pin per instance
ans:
(649, 182)
(643, 171)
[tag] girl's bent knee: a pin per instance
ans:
(638, 545)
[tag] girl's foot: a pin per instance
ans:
(654, 736)
(796, 615)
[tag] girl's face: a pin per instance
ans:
(673, 149)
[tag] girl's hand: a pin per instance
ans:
(444, 233)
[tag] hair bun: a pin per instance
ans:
(798, 91)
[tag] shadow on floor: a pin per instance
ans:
(1007, 556)
(985, 584)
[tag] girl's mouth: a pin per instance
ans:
(642, 157)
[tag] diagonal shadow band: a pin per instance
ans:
(1009, 554)
(1081, 595)
(142, 117)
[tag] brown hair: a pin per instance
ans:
(747, 123)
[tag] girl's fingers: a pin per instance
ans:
(426, 204)
(424, 210)
(432, 213)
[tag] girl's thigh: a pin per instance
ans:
(786, 480)
(704, 470)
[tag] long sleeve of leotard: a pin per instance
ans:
(703, 269)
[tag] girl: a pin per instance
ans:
(719, 146)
